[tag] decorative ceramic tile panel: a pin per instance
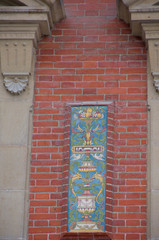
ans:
(87, 169)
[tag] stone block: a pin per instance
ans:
(14, 123)
(154, 214)
(12, 214)
(13, 167)
(154, 145)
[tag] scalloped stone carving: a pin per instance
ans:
(15, 84)
(156, 80)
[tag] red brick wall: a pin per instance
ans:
(91, 56)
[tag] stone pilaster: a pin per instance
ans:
(21, 27)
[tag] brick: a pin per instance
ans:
(133, 84)
(68, 78)
(43, 203)
(112, 91)
(56, 32)
(89, 98)
(48, 71)
(47, 98)
(133, 223)
(68, 65)
(46, 65)
(91, 45)
(40, 237)
(132, 236)
(50, 45)
(68, 52)
(43, 189)
(89, 78)
(112, 64)
(132, 202)
(68, 39)
(42, 210)
(110, 38)
(133, 97)
(69, 45)
(42, 196)
(89, 91)
(44, 176)
(46, 124)
(47, 84)
(135, 57)
(111, 77)
(133, 135)
(133, 208)
(68, 58)
(69, 32)
(132, 229)
(131, 122)
(132, 188)
(90, 6)
(48, 58)
(91, 56)
(67, 91)
(89, 84)
(41, 229)
(119, 236)
(89, 64)
(42, 182)
(90, 71)
(132, 175)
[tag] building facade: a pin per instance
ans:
(79, 118)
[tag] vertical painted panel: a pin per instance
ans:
(87, 169)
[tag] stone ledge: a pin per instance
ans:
(85, 236)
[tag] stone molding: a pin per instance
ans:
(22, 24)
(143, 17)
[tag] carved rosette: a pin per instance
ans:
(15, 84)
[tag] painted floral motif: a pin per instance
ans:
(87, 173)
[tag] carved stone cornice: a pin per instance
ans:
(22, 24)
(136, 12)
(42, 12)
(143, 17)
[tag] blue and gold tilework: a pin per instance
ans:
(87, 169)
